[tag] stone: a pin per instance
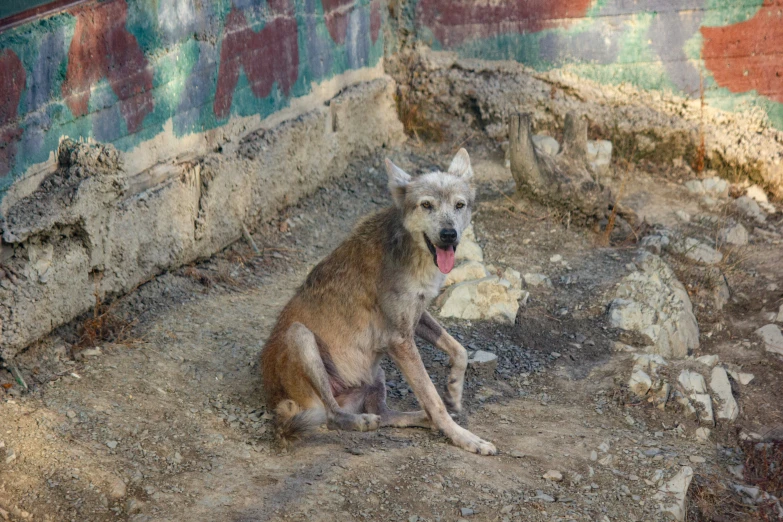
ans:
(736, 235)
(10, 455)
(535, 280)
(779, 318)
(708, 360)
(513, 277)
(716, 187)
(695, 186)
(703, 434)
(540, 495)
(697, 251)
(758, 194)
(467, 271)
(675, 489)
(719, 382)
(490, 298)
(599, 154)
(546, 144)
(653, 302)
(683, 216)
(697, 459)
(556, 258)
(750, 208)
(553, 475)
(117, 488)
(693, 383)
(772, 338)
(70, 414)
(655, 243)
(466, 512)
(112, 444)
(745, 378)
(649, 362)
(640, 383)
(469, 251)
(716, 288)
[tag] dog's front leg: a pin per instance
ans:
(432, 332)
(407, 357)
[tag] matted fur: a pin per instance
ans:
(365, 300)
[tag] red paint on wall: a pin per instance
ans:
(102, 47)
(375, 20)
(268, 56)
(748, 55)
(336, 14)
(12, 83)
(456, 21)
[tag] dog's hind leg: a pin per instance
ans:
(432, 332)
(303, 350)
(375, 402)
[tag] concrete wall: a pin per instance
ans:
(140, 135)
(735, 45)
(127, 71)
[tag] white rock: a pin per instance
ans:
(546, 144)
(469, 251)
(708, 360)
(773, 339)
(653, 302)
(553, 475)
(692, 382)
(675, 489)
(683, 216)
(640, 383)
(648, 362)
(736, 235)
(779, 318)
(467, 271)
(697, 251)
(490, 298)
(703, 434)
(695, 186)
(760, 196)
(556, 258)
(750, 208)
(716, 186)
(745, 378)
(537, 280)
(513, 277)
(719, 382)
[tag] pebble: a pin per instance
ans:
(697, 459)
(466, 512)
(540, 495)
(112, 444)
(554, 475)
(70, 414)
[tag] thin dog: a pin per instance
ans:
(368, 299)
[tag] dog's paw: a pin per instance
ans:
(474, 444)
(368, 422)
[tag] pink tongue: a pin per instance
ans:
(445, 259)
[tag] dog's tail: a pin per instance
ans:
(292, 422)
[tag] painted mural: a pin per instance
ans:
(736, 46)
(119, 70)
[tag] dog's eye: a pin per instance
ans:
(426, 205)
(460, 205)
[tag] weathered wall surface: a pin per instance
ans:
(736, 46)
(127, 71)
(139, 135)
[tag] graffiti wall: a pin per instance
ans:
(735, 46)
(118, 71)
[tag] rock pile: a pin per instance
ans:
(652, 302)
(473, 291)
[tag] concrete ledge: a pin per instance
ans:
(90, 224)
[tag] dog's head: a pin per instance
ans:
(436, 207)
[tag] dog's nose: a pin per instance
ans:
(448, 235)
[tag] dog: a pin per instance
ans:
(368, 299)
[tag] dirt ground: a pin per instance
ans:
(167, 422)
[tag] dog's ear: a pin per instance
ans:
(460, 165)
(398, 182)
